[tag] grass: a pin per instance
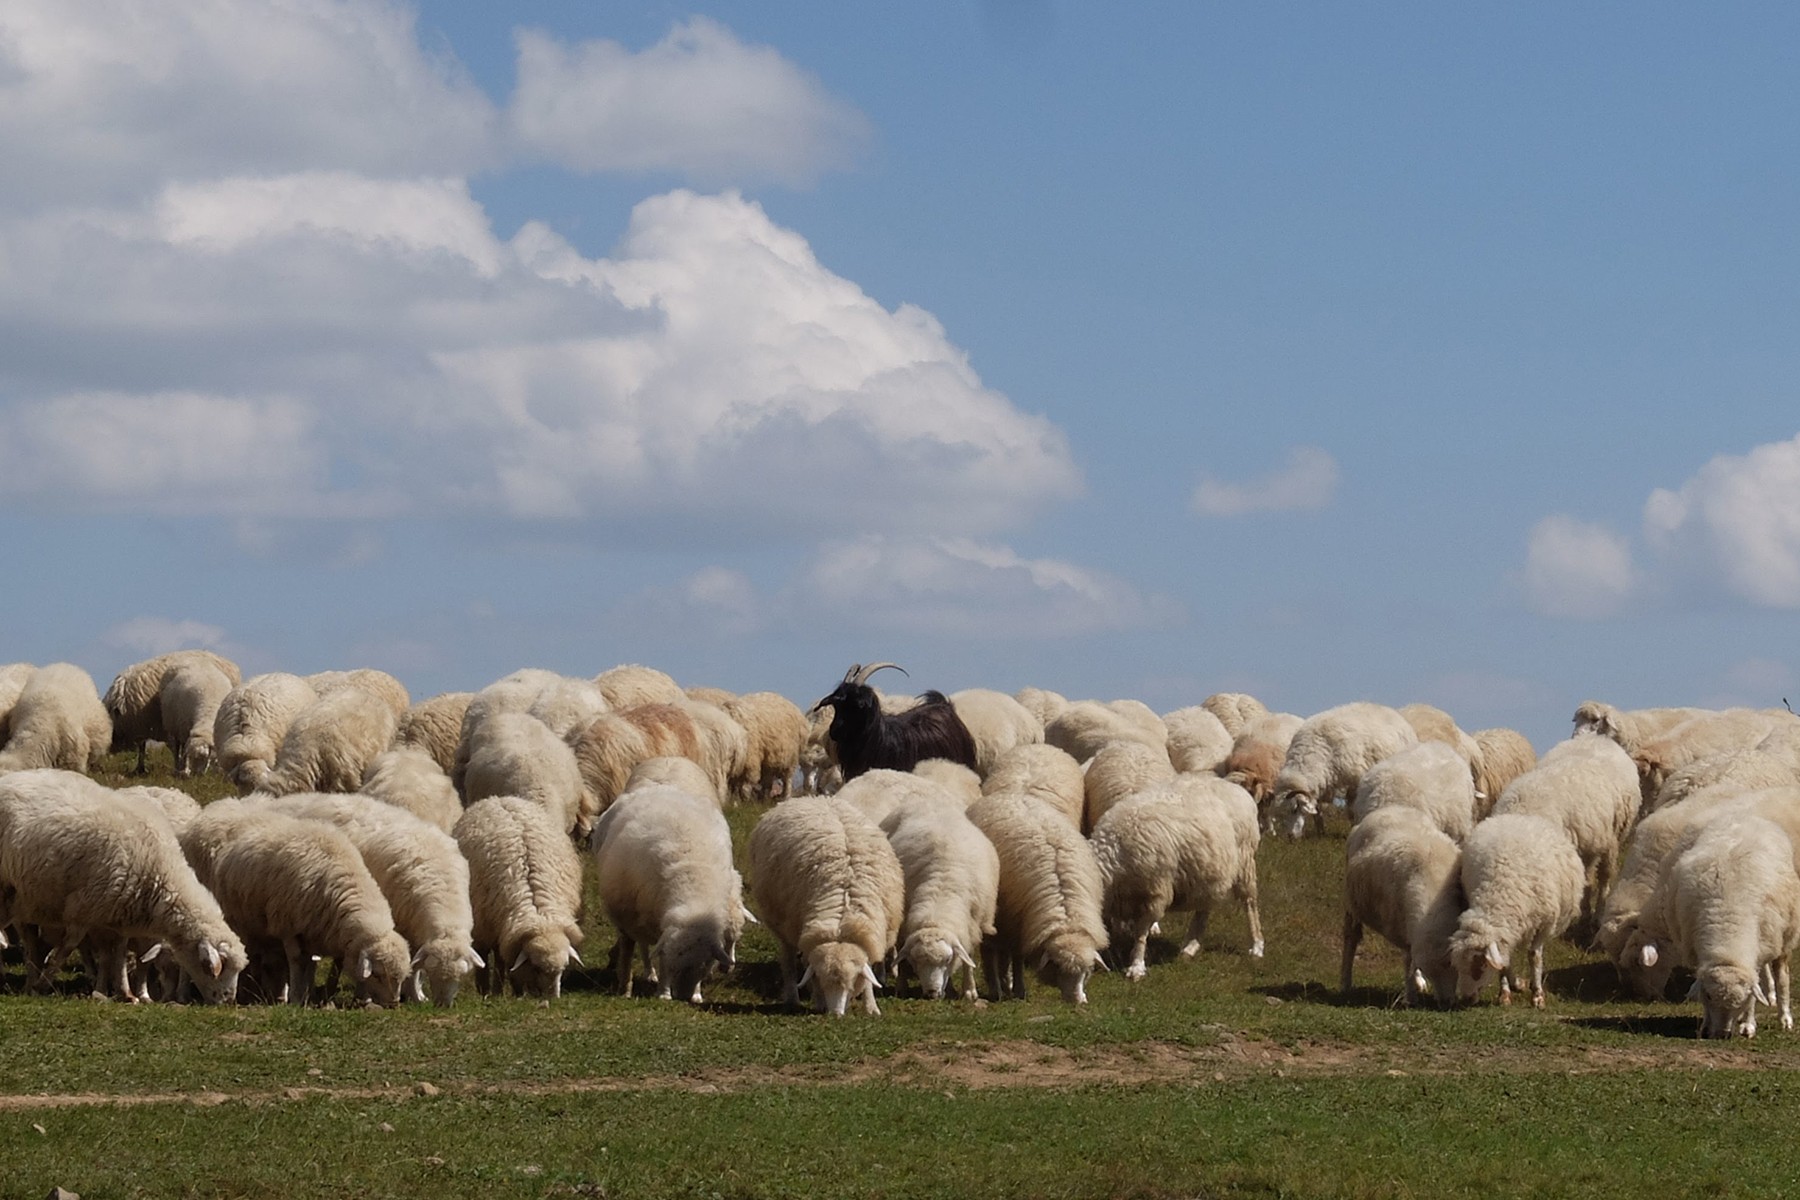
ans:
(1225, 1075)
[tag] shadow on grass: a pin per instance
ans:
(1679, 1028)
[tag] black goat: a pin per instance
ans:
(868, 739)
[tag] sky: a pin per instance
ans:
(1405, 353)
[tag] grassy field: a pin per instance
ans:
(1225, 1075)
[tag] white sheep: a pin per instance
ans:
(380, 684)
(78, 860)
(1046, 706)
(568, 704)
(176, 806)
(831, 891)
(1119, 771)
(1747, 770)
(1329, 754)
(1522, 881)
(434, 725)
(608, 749)
(1506, 754)
(820, 771)
(1236, 711)
(514, 754)
(328, 747)
(12, 682)
(777, 732)
(1180, 846)
(724, 744)
(58, 721)
(1430, 777)
(952, 877)
(190, 699)
(1589, 788)
(410, 779)
(666, 881)
(1044, 773)
(515, 693)
(1726, 732)
(1198, 740)
(878, 793)
(1630, 728)
(421, 872)
(133, 701)
(1087, 725)
(953, 777)
(631, 684)
(1050, 892)
(1402, 879)
(525, 888)
(1254, 762)
(301, 885)
(997, 722)
(253, 718)
(1433, 724)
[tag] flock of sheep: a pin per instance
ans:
(414, 845)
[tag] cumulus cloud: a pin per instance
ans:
(957, 587)
(1577, 569)
(1735, 525)
(700, 102)
(149, 636)
(1307, 481)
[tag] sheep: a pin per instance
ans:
(1725, 732)
(304, 886)
(664, 861)
(1433, 724)
(608, 749)
(630, 684)
(1402, 879)
(709, 695)
(1743, 769)
(328, 747)
(58, 721)
(1729, 906)
(422, 874)
(1328, 756)
(253, 718)
(434, 725)
(820, 771)
(514, 754)
(1236, 711)
(955, 778)
(952, 875)
(177, 807)
(515, 693)
(567, 705)
(410, 779)
(133, 701)
(831, 890)
(525, 890)
(1183, 845)
(1430, 777)
(1505, 755)
(380, 684)
(868, 738)
(190, 699)
(776, 730)
(997, 722)
(1117, 772)
(1198, 740)
(1044, 773)
(1588, 787)
(1046, 706)
(1050, 894)
(1087, 725)
(12, 681)
(879, 793)
(77, 859)
(1522, 881)
(724, 744)
(1257, 753)
(1630, 729)
(683, 773)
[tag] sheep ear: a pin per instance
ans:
(1757, 991)
(476, 960)
(962, 956)
(1493, 957)
(1420, 983)
(1044, 963)
(723, 957)
(869, 974)
(209, 954)
(517, 963)
(155, 952)
(365, 966)
(1100, 964)
(575, 955)
(1693, 992)
(750, 917)
(805, 976)
(1647, 955)
(418, 958)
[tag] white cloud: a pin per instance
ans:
(1735, 526)
(1577, 569)
(148, 636)
(713, 601)
(1755, 683)
(1307, 481)
(956, 587)
(699, 102)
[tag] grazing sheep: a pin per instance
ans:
(515, 693)
(421, 872)
(525, 891)
(1087, 725)
(1746, 770)
(664, 861)
(952, 886)
(1044, 773)
(253, 718)
(410, 779)
(1430, 777)
(328, 747)
(513, 754)
(724, 744)
(1727, 732)
(301, 885)
(820, 771)
(1254, 762)
(380, 684)
(1328, 756)
(1523, 884)
(177, 807)
(190, 700)
(616, 742)
(1117, 772)
(1505, 755)
(133, 702)
(870, 738)
(683, 773)
(955, 778)
(1198, 740)
(879, 793)
(1236, 711)
(1589, 788)
(629, 685)
(997, 722)
(58, 721)
(777, 731)
(12, 681)
(1630, 729)
(1435, 725)
(1044, 705)
(434, 725)
(1184, 845)
(568, 705)
(1050, 894)
(831, 890)
(1402, 878)
(78, 860)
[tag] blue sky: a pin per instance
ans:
(1406, 354)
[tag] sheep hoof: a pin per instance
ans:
(1190, 950)
(1135, 972)
(1256, 949)
(1537, 1000)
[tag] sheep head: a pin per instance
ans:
(839, 972)
(1728, 996)
(685, 957)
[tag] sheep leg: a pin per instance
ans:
(790, 978)
(1018, 975)
(1352, 937)
(1139, 945)
(1246, 891)
(991, 968)
(300, 972)
(1537, 974)
(1782, 996)
(1196, 930)
(622, 963)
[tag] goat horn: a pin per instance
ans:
(863, 673)
(851, 674)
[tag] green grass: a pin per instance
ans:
(1223, 1075)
